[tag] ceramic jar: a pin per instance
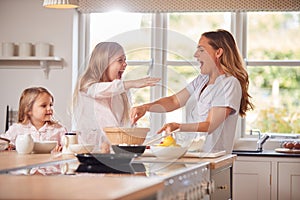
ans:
(69, 139)
(25, 49)
(42, 49)
(24, 144)
(8, 49)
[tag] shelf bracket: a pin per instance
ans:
(45, 67)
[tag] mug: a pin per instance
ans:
(68, 139)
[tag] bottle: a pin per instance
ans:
(24, 144)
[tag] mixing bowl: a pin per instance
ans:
(122, 135)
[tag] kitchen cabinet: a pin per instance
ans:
(263, 178)
(288, 180)
(251, 180)
(222, 180)
(45, 63)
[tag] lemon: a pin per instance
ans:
(169, 141)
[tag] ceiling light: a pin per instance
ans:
(60, 4)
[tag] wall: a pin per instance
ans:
(28, 21)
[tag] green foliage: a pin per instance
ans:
(277, 120)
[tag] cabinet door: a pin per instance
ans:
(288, 181)
(222, 179)
(251, 180)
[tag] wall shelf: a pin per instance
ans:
(45, 63)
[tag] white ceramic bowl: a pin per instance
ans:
(184, 141)
(81, 148)
(44, 146)
(171, 152)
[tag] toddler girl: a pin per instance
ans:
(35, 117)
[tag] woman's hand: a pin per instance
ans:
(136, 113)
(140, 83)
(169, 127)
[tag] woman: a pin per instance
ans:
(101, 96)
(214, 99)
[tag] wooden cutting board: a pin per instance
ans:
(286, 150)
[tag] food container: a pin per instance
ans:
(122, 135)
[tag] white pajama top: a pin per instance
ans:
(101, 106)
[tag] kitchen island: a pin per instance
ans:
(18, 182)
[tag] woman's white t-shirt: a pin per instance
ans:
(225, 92)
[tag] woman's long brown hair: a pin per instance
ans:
(232, 63)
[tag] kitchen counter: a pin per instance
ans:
(269, 153)
(60, 185)
(215, 163)
(11, 160)
(92, 186)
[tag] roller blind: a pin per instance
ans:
(151, 6)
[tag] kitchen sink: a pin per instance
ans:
(238, 151)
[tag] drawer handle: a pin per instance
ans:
(222, 187)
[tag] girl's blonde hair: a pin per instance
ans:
(27, 99)
(232, 63)
(102, 56)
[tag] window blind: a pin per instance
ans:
(152, 6)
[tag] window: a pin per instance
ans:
(273, 54)
(274, 67)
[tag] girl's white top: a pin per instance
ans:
(225, 92)
(101, 106)
(53, 132)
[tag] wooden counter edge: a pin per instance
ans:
(222, 161)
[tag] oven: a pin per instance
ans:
(184, 181)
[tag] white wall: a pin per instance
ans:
(28, 21)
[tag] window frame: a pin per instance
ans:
(159, 58)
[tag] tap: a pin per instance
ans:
(261, 141)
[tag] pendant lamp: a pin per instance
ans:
(60, 4)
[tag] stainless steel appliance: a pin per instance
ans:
(184, 181)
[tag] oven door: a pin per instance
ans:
(191, 182)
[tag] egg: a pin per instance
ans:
(288, 145)
(297, 145)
